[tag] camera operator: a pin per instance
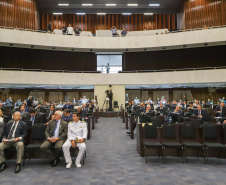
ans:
(110, 96)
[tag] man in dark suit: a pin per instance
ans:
(199, 112)
(13, 135)
(34, 117)
(67, 115)
(67, 105)
(219, 109)
(161, 108)
(56, 135)
(84, 111)
(50, 112)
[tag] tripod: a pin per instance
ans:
(105, 101)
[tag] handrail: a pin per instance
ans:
(136, 71)
(171, 31)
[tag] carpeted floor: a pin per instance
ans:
(112, 159)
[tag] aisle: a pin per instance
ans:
(112, 159)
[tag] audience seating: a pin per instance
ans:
(211, 141)
(170, 140)
(189, 140)
(151, 141)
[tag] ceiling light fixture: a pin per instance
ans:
(57, 13)
(110, 4)
(87, 4)
(80, 13)
(126, 13)
(148, 13)
(154, 4)
(132, 4)
(63, 4)
(101, 13)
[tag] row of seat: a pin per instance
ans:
(186, 139)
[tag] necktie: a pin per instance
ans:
(55, 128)
(12, 130)
(199, 112)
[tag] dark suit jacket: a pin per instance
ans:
(48, 116)
(39, 118)
(69, 106)
(21, 130)
(2, 125)
(67, 119)
(196, 112)
(62, 130)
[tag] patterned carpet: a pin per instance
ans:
(112, 159)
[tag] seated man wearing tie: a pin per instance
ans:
(23, 112)
(67, 105)
(13, 136)
(33, 116)
(77, 134)
(161, 109)
(199, 112)
(219, 110)
(67, 115)
(50, 112)
(56, 134)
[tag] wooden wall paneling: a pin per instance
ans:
(173, 21)
(82, 26)
(109, 20)
(168, 20)
(159, 21)
(117, 25)
(105, 22)
(52, 20)
(132, 22)
(89, 28)
(164, 21)
(139, 21)
(113, 20)
(129, 29)
(85, 29)
(136, 28)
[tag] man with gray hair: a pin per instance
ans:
(56, 135)
(13, 136)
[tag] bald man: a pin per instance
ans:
(13, 136)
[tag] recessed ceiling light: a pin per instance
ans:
(57, 13)
(80, 13)
(148, 13)
(101, 13)
(63, 4)
(87, 4)
(126, 13)
(154, 4)
(110, 4)
(132, 4)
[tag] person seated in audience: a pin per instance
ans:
(33, 116)
(196, 104)
(51, 118)
(67, 105)
(199, 112)
(24, 113)
(1, 117)
(184, 105)
(136, 101)
(124, 32)
(177, 110)
(50, 112)
(90, 107)
(174, 104)
(67, 115)
(77, 135)
(70, 30)
(18, 103)
(64, 29)
(219, 110)
(161, 107)
(148, 109)
(9, 102)
(142, 107)
(95, 101)
(190, 106)
(77, 30)
(13, 136)
(25, 106)
(30, 101)
(84, 100)
(114, 31)
(74, 102)
(80, 102)
(56, 134)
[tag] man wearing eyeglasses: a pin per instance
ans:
(56, 134)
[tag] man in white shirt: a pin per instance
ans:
(70, 30)
(84, 100)
(77, 134)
